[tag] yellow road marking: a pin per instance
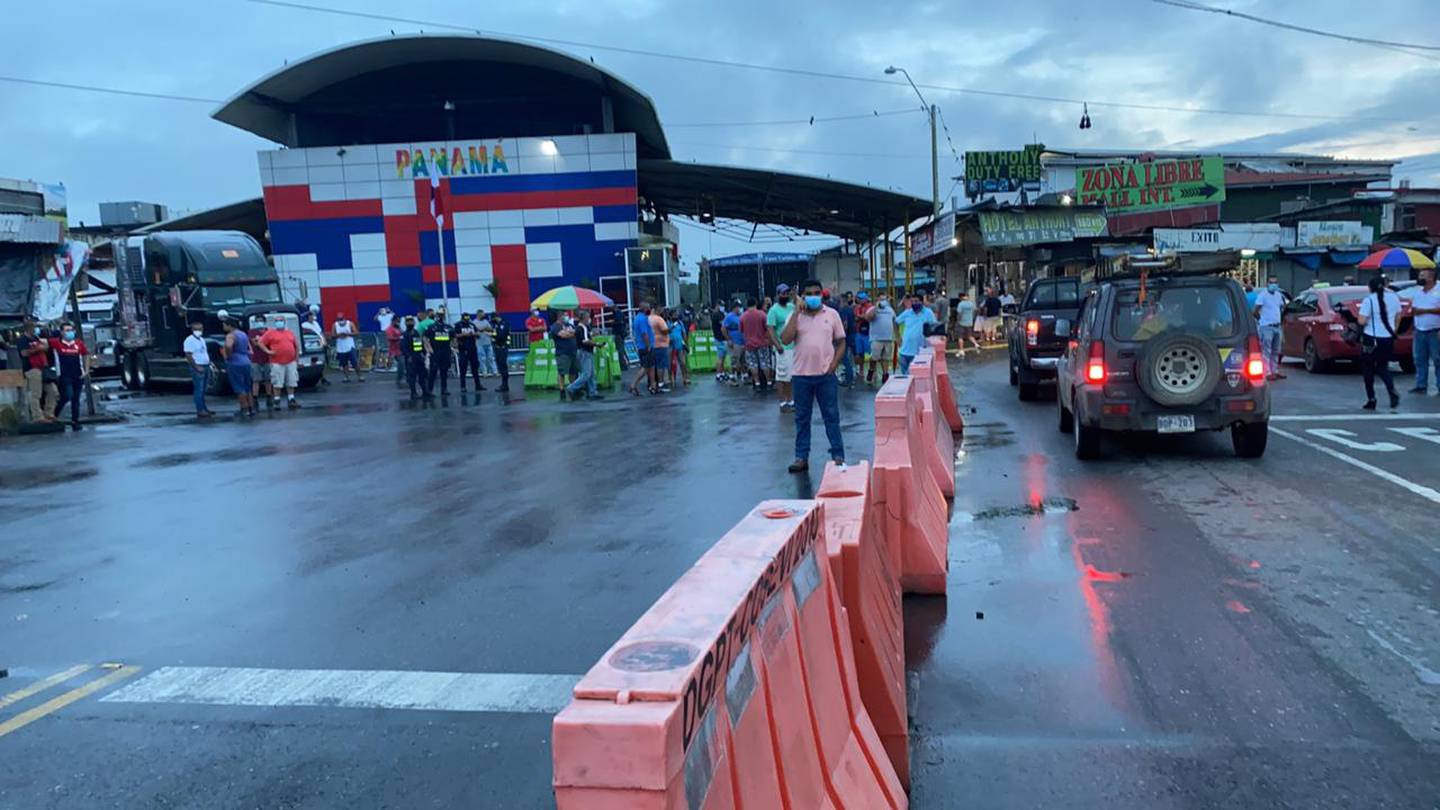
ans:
(25, 718)
(41, 685)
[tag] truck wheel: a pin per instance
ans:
(1250, 440)
(127, 372)
(138, 365)
(1067, 419)
(1087, 440)
(1179, 368)
(1314, 363)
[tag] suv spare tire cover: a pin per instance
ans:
(1178, 368)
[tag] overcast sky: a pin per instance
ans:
(106, 147)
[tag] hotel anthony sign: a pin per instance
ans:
(1002, 228)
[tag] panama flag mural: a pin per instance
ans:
(487, 224)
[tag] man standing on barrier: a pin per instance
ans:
(437, 344)
(817, 336)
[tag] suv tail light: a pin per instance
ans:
(1095, 366)
(1254, 360)
(1032, 332)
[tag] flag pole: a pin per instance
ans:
(437, 210)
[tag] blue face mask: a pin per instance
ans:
(812, 301)
(69, 334)
(1273, 287)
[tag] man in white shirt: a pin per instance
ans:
(345, 352)
(1425, 306)
(1268, 305)
(1379, 319)
(197, 354)
(382, 358)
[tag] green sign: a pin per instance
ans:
(1151, 186)
(1000, 228)
(1002, 172)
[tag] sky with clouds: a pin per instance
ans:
(1375, 102)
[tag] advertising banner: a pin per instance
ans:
(1229, 236)
(1333, 234)
(937, 237)
(1152, 186)
(1002, 172)
(1000, 228)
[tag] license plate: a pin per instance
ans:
(1175, 424)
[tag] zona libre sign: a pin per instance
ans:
(1152, 186)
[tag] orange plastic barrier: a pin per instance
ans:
(912, 508)
(735, 690)
(940, 451)
(870, 594)
(946, 392)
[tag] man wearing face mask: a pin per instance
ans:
(1268, 305)
(198, 354)
(466, 337)
(41, 394)
(775, 321)
(412, 344)
(818, 337)
(502, 349)
(74, 361)
(437, 344)
(882, 338)
(536, 326)
(913, 320)
(279, 344)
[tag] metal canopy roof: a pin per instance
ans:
(371, 87)
(777, 198)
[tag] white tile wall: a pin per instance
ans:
(366, 153)
(606, 142)
(575, 216)
(368, 258)
(360, 171)
(479, 220)
(263, 157)
(324, 156)
(472, 288)
(572, 163)
(372, 275)
(327, 192)
(327, 174)
(287, 159)
(507, 236)
(540, 216)
(397, 206)
(606, 162)
(605, 231)
(477, 271)
(544, 268)
(267, 176)
(532, 164)
(295, 262)
(362, 190)
(472, 237)
(472, 254)
(397, 188)
(542, 251)
(292, 176)
(367, 241)
(506, 219)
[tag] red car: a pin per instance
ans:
(1311, 327)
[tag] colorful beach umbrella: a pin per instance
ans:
(571, 297)
(1396, 259)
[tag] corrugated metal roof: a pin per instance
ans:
(29, 229)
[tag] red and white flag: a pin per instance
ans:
(437, 200)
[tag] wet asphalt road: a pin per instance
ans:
(1169, 627)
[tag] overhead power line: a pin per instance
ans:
(814, 119)
(1403, 47)
(782, 150)
(91, 88)
(819, 74)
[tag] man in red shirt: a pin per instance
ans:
(393, 332)
(279, 343)
(759, 353)
(536, 326)
(34, 350)
(74, 360)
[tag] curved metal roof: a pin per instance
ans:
(269, 107)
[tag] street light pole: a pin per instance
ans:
(934, 140)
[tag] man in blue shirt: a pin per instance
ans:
(913, 320)
(731, 326)
(644, 338)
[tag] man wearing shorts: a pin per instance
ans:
(259, 369)
(775, 321)
(759, 354)
(279, 343)
(644, 338)
(730, 334)
(882, 339)
(861, 345)
(660, 353)
(965, 323)
(238, 366)
(346, 354)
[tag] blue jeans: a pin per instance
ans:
(70, 388)
(1426, 350)
(807, 390)
(198, 380)
(586, 378)
(1270, 346)
(487, 361)
(905, 361)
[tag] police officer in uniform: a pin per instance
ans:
(412, 345)
(438, 338)
(466, 335)
(502, 349)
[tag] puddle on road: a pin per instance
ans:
(35, 478)
(29, 587)
(1041, 507)
(169, 460)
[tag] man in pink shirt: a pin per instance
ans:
(819, 338)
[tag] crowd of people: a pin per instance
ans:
(55, 363)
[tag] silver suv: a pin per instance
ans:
(1164, 354)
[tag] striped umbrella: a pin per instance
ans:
(571, 297)
(1397, 259)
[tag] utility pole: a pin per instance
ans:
(934, 141)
